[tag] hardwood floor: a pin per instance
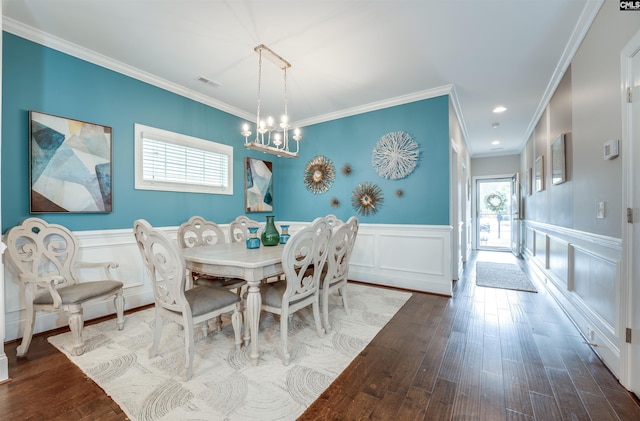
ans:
(485, 354)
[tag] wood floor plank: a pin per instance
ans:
(453, 357)
(467, 401)
(492, 404)
(545, 407)
(516, 393)
(567, 396)
(580, 376)
(625, 405)
(414, 405)
(598, 406)
(492, 355)
(441, 403)
(387, 407)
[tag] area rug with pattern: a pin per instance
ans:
(225, 386)
(502, 275)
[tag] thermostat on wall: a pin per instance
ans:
(611, 149)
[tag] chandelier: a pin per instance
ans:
(270, 138)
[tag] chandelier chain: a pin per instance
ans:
(259, 93)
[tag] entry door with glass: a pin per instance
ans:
(493, 224)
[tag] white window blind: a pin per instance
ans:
(175, 162)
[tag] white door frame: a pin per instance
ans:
(629, 313)
(4, 367)
(455, 218)
(474, 203)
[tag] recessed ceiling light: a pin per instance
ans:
(499, 109)
(495, 142)
(495, 125)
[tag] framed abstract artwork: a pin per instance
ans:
(69, 166)
(258, 185)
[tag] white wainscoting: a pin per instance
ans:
(416, 257)
(582, 271)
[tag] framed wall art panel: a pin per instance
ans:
(258, 188)
(558, 162)
(539, 173)
(69, 166)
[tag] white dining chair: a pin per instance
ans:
(302, 259)
(46, 259)
(333, 220)
(335, 273)
(199, 232)
(239, 228)
(173, 302)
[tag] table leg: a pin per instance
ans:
(254, 304)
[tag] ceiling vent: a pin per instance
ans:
(209, 82)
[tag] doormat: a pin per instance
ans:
(502, 275)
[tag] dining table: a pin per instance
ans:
(237, 261)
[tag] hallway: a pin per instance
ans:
(485, 354)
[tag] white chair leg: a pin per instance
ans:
(325, 309)
(75, 324)
(28, 330)
(343, 293)
(316, 318)
(118, 300)
(157, 334)
(189, 349)
(284, 335)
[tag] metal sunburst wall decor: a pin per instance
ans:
(319, 174)
(395, 155)
(367, 199)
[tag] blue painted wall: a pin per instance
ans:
(42, 79)
(425, 198)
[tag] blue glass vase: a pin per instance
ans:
(270, 235)
(253, 242)
(284, 236)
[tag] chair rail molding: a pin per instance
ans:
(582, 271)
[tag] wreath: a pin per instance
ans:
(494, 202)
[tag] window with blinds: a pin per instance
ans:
(175, 162)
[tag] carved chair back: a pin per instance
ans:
(198, 232)
(38, 249)
(165, 266)
(239, 228)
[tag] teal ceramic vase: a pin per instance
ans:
(253, 242)
(270, 235)
(284, 237)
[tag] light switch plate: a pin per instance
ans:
(601, 209)
(610, 150)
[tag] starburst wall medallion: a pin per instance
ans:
(395, 155)
(319, 174)
(366, 199)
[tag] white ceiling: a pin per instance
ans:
(347, 56)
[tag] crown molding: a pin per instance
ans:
(374, 106)
(17, 28)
